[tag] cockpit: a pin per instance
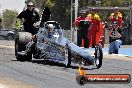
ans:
(55, 24)
(53, 29)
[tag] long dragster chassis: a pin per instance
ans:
(53, 46)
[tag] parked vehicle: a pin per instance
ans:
(8, 34)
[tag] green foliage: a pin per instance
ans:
(48, 3)
(61, 13)
(9, 17)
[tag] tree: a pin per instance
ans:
(9, 17)
(61, 13)
(60, 10)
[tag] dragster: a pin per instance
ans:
(50, 44)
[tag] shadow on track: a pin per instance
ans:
(51, 63)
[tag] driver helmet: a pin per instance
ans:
(50, 27)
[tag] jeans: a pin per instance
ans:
(114, 46)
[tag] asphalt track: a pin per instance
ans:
(45, 74)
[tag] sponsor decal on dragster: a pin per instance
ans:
(54, 51)
(55, 55)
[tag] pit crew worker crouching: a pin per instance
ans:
(82, 32)
(29, 16)
(114, 39)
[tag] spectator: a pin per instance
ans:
(115, 39)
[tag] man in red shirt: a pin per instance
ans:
(94, 28)
(81, 23)
(116, 16)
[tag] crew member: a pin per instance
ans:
(94, 27)
(82, 33)
(29, 17)
(116, 16)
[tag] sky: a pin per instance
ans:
(12, 5)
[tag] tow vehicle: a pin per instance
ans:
(8, 34)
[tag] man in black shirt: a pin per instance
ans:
(114, 39)
(82, 33)
(29, 17)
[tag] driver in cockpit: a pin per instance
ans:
(50, 30)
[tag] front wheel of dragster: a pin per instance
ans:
(67, 56)
(98, 55)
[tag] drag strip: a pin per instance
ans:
(45, 74)
(3, 86)
(6, 82)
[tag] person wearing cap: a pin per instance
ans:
(94, 27)
(114, 38)
(81, 32)
(116, 16)
(29, 17)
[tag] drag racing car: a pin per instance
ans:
(50, 44)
